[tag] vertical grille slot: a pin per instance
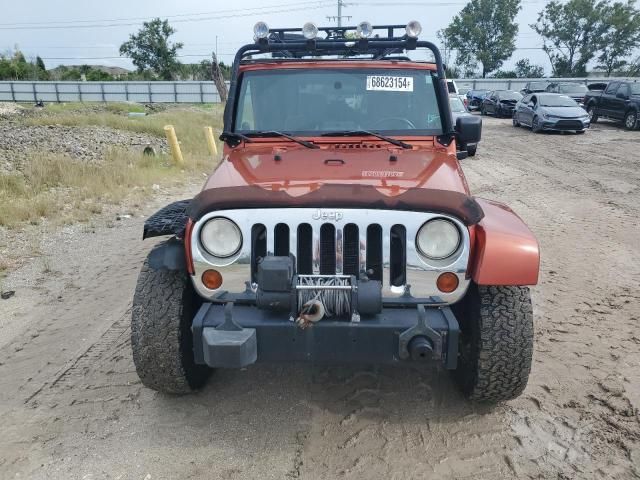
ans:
(327, 249)
(374, 252)
(398, 255)
(305, 249)
(281, 234)
(258, 247)
(351, 250)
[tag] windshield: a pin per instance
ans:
(635, 88)
(457, 105)
(557, 101)
(304, 102)
(509, 96)
(573, 88)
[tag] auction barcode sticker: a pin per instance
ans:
(389, 84)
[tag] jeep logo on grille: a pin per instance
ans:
(327, 215)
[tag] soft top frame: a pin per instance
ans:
(288, 43)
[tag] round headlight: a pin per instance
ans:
(438, 239)
(310, 31)
(221, 237)
(413, 29)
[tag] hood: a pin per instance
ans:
(564, 112)
(297, 170)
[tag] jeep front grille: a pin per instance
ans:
(326, 249)
(333, 242)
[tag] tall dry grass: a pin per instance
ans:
(63, 189)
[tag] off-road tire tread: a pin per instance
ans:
(503, 349)
(163, 306)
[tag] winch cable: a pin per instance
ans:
(336, 302)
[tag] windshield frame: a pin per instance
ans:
(328, 67)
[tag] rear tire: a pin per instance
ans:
(164, 304)
(496, 343)
(631, 120)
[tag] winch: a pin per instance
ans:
(309, 298)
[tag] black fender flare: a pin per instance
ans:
(169, 220)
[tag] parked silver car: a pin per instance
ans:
(550, 111)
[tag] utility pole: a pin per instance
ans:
(339, 17)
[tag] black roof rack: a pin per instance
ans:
(342, 42)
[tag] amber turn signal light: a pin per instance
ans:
(212, 279)
(447, 282)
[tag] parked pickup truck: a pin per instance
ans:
(619, 101)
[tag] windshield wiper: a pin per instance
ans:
(273, 133)
(234, 138)
(355, 133)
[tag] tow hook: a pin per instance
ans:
(311, 312)
(420, 342)
(420, 348)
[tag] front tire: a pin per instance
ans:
(535, 125)
(515, 121)
(164, 304)
(496, 343)
(471, 150)
(631, 120)
(591, 110)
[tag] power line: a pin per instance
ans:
(188, 20)
(129, 19)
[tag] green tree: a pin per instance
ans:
(621, 37)
(570, 33)
(151, 49)
(524, 69)
(484, 31)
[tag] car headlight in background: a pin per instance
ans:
(438, 239)
(221, 237)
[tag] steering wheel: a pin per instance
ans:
(405, 121)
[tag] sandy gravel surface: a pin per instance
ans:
(72, 407)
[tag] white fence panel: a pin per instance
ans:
(196, 92)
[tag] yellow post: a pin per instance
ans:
(172, 139)
(213, 148)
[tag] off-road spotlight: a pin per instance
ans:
(310, 31)
(364, 30)
(413, 29)
(260, 30)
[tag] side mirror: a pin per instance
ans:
(531, 104)
(468, 130)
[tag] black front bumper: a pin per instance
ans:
(248, 335)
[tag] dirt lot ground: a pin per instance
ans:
(72, 407)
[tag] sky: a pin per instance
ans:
(74, 32)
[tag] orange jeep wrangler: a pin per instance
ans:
(338, 227)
